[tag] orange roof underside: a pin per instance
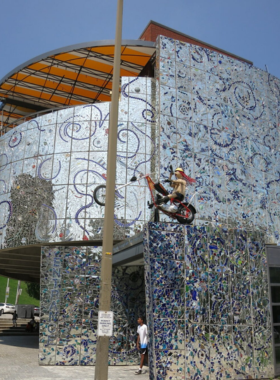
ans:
(80, 76)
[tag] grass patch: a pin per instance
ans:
(24, 298)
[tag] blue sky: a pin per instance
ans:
(248, 28)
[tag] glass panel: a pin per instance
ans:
(276, 334)
(277, 355)
(274, 275)
(276, 314)
(275, 294)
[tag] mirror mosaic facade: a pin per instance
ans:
(219, 120)
(206, 285)
(215, 116)
(207, 303)
(51, 165)
(70, 282)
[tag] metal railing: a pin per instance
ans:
(14, 124)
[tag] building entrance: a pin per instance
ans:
(273, 259)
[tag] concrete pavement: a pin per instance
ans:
(19, 361)
(6, 316)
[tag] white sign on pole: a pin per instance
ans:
(105, 323)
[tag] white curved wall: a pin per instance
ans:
(50, 166)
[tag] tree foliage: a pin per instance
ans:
(33, 290)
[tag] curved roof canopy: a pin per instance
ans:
(73, 75)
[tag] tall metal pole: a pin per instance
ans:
(101, 368)
(18, 290)
(6, 296)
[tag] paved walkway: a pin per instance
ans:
(6, 316)
(19, 361)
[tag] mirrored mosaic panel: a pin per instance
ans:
(51, 166)
(207, 303)
(70, 283)
(219, 121)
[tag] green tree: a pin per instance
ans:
(33, 290)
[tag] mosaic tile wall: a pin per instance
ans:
(207, 303)
(215, 116)
(70, 279)
(219, 120)
(50, 166)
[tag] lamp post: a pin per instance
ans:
(102, 349)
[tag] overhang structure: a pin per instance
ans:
(73, 75)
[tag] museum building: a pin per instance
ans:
(210, 290)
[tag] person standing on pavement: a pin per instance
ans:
(15, 316)
(142, 343)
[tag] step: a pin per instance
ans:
(11, 324)
(11, 327)
(21, 320)
(10, 320)
(20, 333)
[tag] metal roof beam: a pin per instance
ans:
(69, 82)
(58, 92)
(19, 103)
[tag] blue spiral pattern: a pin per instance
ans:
(70, 122)
(9, 215)
(40, 169)
(37, 125)
(85, 194)
(148, 114)
(14, 140)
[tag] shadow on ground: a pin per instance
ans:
(20, 341)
